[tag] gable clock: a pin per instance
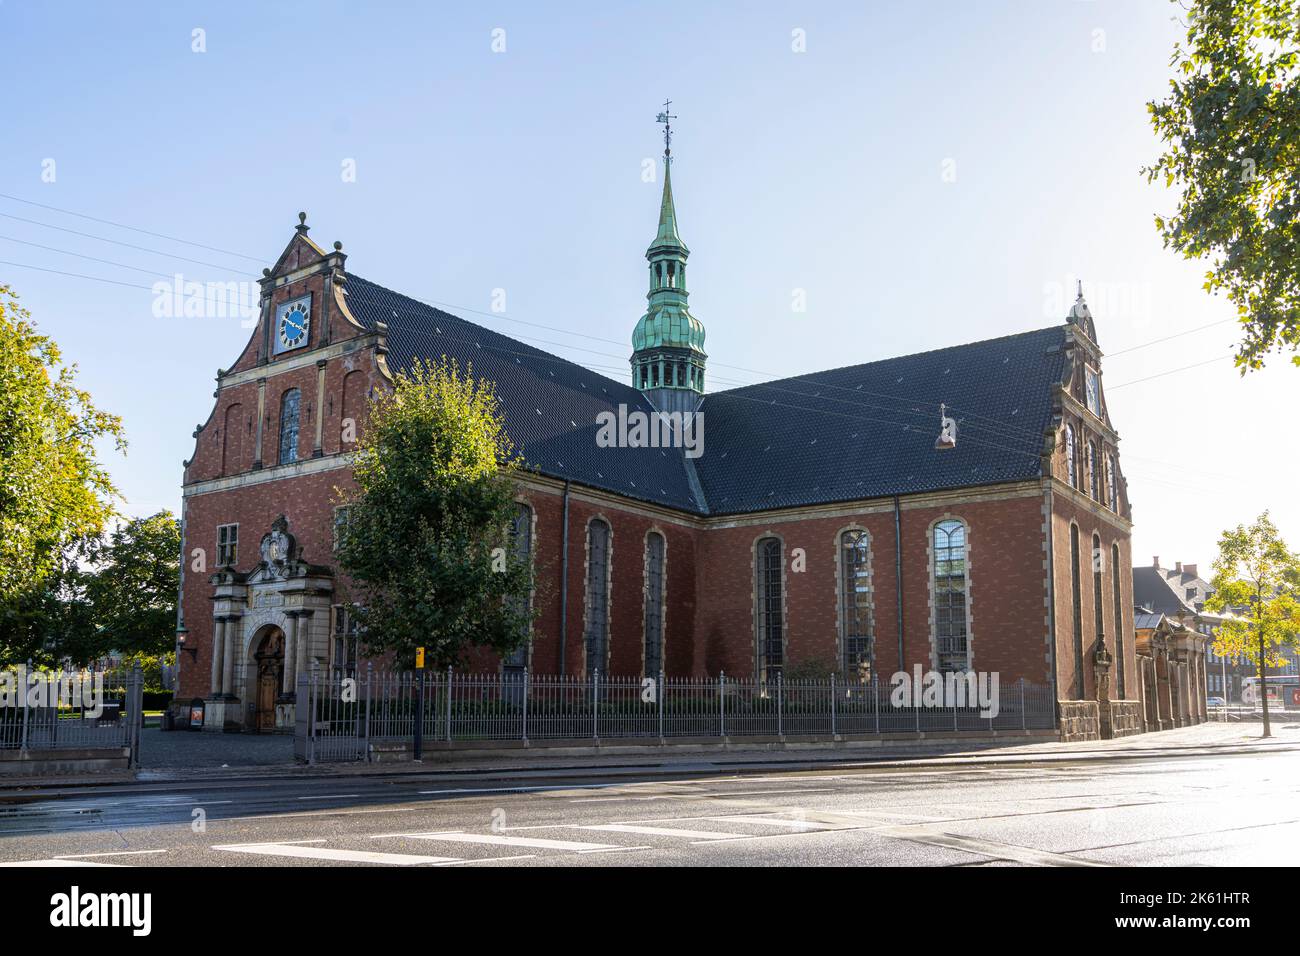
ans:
(292, 324)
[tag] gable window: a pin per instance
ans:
(857, 640)
(770, 612)
(654, 604)
(1119, 621)
(1112, 483)
(597, 636)
(950, 584)
(289, 426)
(345, 642)
(1076, 594)
(227, 545)
(1093, 491)
(1071, 468)
(521, 544)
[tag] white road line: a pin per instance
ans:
(301, 852)
(330, 796)
(58, 861)
(779, 822)
(705, 835)
(495, 840)
(73, 856)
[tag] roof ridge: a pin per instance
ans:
(892, 358)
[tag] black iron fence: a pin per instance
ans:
(70, 710)
(348, 718)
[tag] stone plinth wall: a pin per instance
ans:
(1080, 720)
(1126, 718)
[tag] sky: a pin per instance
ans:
(915, 174)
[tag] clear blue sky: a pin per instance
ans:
(521, 170)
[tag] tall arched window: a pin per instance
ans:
(521, 544)
(1093, 486)
(1071, 468)
(770, 613)
(654, 604)
(289, 426)
(950, 584)
(597, 636)
(1118, 596)
(857, 637)
(1077, 594)
(1098, 601)
(1112, 483)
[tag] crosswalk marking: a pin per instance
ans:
(663, 831)
(57, 861)
(303, 852)
(496, 840)
(778, 822)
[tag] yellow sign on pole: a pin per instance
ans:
(419, 658)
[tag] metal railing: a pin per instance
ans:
(341, 718)
(46, 710)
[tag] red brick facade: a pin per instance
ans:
(1019, 595)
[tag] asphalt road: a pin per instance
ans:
(1196, 810)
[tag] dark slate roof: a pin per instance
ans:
(1164, 590)
(856, 432)
(549, 405)
(1143, 618)
(865, 431)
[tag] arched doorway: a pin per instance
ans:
(269, 659)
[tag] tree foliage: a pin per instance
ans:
(1231, 132)
(426, 534)
(1258, 579)
(53, 490)
(134, 586)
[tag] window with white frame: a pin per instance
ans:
(227, 545)
(342, 514)
(951, 591)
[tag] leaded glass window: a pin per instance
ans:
(521, 545)
(289, 426)
(950, 596)
(1071, 468)
(857, 638)
(597, 636)
(771, 608)
(654, 604)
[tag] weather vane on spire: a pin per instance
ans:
(667, 119)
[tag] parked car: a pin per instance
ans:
(1215, 702)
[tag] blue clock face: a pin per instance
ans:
(292, 324)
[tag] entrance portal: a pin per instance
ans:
(270, 675)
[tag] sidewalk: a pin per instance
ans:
(249, 758)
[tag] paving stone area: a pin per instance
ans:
(179, 749)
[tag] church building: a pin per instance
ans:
(959, 509)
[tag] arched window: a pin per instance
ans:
(597, 636)
(1071, 469)
(654, 604)
(857, 638)
(770, 613)
(289, 426)
(950, 585)
(521, 544)
(1077, 594)
(1093, 484)
(1098, 603)
(1112, 483)
(1119, 621)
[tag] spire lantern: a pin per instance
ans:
(668, 355)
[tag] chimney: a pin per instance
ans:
(1155, 562)
(1178, 567)
(1190, 569)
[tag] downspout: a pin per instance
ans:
(898, 578)
(564, 581)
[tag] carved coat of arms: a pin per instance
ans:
(278, 547)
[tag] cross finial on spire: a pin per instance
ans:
(666, 119)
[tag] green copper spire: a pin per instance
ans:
(668, 355)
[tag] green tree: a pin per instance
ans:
(1231, 132)
(53, 491)
(426, 534)
(52, 619)
(1256, 577)
(134, 585)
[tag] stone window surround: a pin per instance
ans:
(757, 637)
(609, 591)
(840, 597)
(663, 596)
(970, 599)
